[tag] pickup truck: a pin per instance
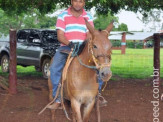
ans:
(35, 47)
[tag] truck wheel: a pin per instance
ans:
(5, 63)
(45, 68)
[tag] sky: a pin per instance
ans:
(131, 20)
(134, 24)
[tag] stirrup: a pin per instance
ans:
(102, 100)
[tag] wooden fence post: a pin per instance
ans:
(12, 66)
(123, 43)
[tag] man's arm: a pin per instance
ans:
(61, 37)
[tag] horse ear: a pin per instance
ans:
(89, 26)
(110, 27)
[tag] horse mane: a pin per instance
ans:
(100, 29)
(82, 47)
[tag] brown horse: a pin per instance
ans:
(81, 85)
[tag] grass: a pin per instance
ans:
(24, 71)
(136, 63)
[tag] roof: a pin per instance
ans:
(117, 35)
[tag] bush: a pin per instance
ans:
(136, 44)
(129, 44)
(116, 43)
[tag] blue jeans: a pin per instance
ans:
(56, 68)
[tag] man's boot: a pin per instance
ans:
(55, 105)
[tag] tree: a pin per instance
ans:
(9, 22)
(101, 6)
(102, 21)
(31, 19)
(122, 27)
(14, 11)
(153, 20)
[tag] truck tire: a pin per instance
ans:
(45, 68)
(5, 63)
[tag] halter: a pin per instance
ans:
(95, 60)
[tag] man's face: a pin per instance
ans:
(78, 4)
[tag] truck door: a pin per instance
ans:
(29, 52)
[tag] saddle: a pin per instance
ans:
(78, 48)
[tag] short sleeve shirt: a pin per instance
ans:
(74, 28)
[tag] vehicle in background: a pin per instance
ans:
(35, 47)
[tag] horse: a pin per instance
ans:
(80, 84)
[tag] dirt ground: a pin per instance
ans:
(129, 100)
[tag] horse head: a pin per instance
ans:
(100, 48)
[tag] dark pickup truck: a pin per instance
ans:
(35, 47)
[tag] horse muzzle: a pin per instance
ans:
(105, 73)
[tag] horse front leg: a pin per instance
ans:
(87, 110)
(75, 105)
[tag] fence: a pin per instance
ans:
(123, 44)
(138, 63)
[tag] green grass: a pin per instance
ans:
(136, 63)
(24, 71)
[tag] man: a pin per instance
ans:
(71, 28)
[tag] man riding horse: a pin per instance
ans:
(71, 28)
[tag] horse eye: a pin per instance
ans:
(94, 46)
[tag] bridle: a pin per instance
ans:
(95, 58)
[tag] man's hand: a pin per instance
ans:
(71, 45)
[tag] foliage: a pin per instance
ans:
(9, 22)
(101, 6)
(116, 43)
(122, 27)
(102, 21)
(14, 12)
(31, 19)
(136, 44)
(19, 7)
(153, 20)
(129, 44)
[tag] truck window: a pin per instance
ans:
(49, 37)
(33, 37)
(22, 36)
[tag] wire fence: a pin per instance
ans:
(136, 63)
